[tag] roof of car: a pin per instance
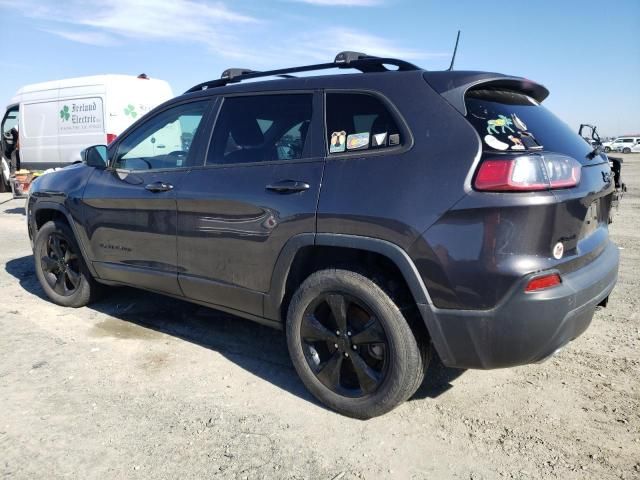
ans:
(452, 85)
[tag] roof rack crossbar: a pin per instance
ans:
(359, 61)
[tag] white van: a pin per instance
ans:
(56, 120)
(620, 143)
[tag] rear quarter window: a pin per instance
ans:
(512, 122)
(359, 122)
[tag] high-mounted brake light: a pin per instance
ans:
(542, 283)
(111, 137)
(527, 173)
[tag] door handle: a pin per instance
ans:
(288, 186)
(159, 187)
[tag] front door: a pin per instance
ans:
(259, 188)
(130, 208)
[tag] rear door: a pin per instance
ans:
(258, 188)
(130, 208)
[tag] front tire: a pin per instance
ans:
(351, 345)
(607, 149)
(60, 267)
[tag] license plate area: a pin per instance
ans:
(591, 219)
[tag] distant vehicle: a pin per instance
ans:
(629, 149)
(319, 206)
(54, 121)
(620, 142)
(590, 135)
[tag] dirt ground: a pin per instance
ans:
(142, 386)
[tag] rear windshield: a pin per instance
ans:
(510, 122)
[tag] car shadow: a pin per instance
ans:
(256, 348)
(15, 211)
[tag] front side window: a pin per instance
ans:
(262, 128)
(164, 141)
(359, 121)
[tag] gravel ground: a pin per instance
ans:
(142, 386)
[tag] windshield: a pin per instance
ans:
(510, 122)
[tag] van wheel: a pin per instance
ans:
(626, 150)
(60, 267)
(351, 345)
(607, 149)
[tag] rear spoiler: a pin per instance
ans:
(453, 86)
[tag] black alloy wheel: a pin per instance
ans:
(61, 265)
(344, 344)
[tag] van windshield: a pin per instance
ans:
(508, 121)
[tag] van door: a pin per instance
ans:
(8, 144)
(39, 132)
(258, 189)
(130, 208)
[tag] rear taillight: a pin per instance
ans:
(527, 173)
(111, 137)
(542, 283)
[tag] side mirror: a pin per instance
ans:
(95, 156)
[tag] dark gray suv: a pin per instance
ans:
(375, 216)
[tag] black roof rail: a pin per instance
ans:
(356, 60)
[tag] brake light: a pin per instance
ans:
(111, 137)
(527, 173)
(542, 283)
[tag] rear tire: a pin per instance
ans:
(60, 267)
(626, 150)
(370, 368)
(607, 149)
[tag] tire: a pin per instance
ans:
(330, 362)
(607, 149)
(626, 150)
(60, 268)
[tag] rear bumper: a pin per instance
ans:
(525, 327)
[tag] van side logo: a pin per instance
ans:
(64, 113)
(131, 110)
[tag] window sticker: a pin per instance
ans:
(501, 122)
(520, 125)
(494, 143)
(358, 141)
(338, 142)
(379, 140)
(394, 139)
(517, 143)
(529, 141)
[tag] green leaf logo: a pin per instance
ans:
(64, 113)
(131, 111)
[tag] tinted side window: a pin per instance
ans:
(162, 142)
(359, 121)
(262, 128)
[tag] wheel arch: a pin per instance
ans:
(300, 257)
(43, 211)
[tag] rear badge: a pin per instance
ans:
(558, 251)
(358, 141)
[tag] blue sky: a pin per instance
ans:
(588, 56)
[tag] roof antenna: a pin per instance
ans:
(455, 50)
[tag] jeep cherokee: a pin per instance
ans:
(374, 216)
